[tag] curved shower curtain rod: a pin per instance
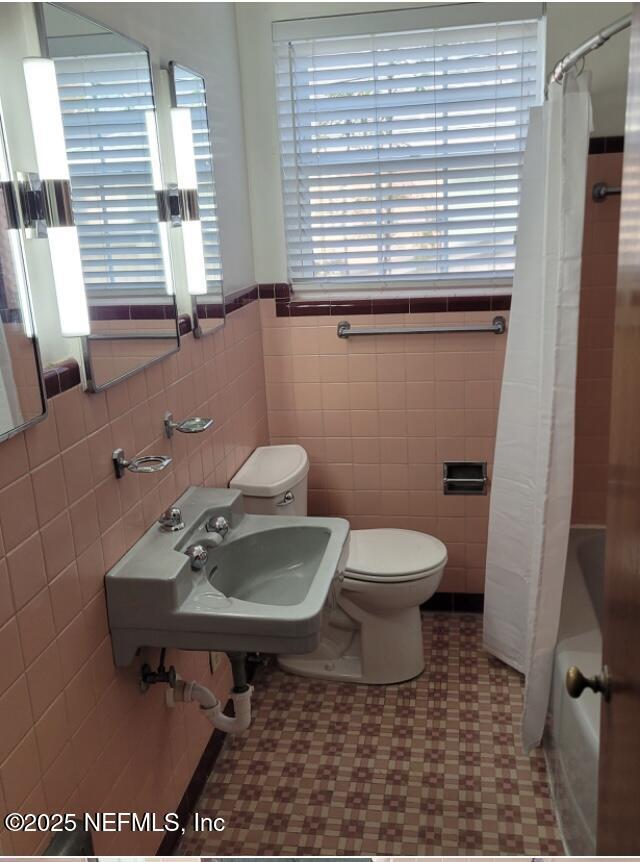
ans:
(596, 41)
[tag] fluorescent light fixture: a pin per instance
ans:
(46, 119)
(194, 257)
(17, 251)
(156, 175)
(183, 146)
(154, 150)
(188, 182)
(67, 269)
(51, 156)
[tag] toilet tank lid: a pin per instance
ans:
(271, 470)
(389, 552)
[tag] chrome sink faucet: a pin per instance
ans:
(171, 520)
(218, 525)
(198, 555)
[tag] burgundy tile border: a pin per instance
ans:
(160, 311)
(59, 378)
(429, 304)
(66, 375)
(500, 303)
(279, 290)
(210, 310)
(288, 307)
(611, 144)
(246, 297)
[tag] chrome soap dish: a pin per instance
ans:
(142, 464)
(192, 425)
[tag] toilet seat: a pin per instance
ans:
(392, 556)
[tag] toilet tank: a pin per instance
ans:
(273, 481)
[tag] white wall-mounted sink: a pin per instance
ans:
(263, 587)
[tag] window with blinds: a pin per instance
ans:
(104, 100)
(401, 154)
(190, 92)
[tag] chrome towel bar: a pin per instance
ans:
(498, 326)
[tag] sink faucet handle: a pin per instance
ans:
(218, 525)
(171, 520)
(198, 555)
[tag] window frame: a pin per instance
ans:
(389, 22)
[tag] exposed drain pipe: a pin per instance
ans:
(212, 708)
(240, 695)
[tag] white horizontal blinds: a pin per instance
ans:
(191, 93)
(401, 153)
(103, 100)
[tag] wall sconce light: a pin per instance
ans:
(156, 173)
(189, 210)
(46, 200)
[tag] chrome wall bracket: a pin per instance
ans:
(142, 464)
(43, 204)
(31, 203)
(192, 425)
(176, 205)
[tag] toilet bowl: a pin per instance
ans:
(374, 635)
(374, 632)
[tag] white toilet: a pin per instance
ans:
(374, 635)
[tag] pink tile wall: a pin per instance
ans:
(379, 415)
(595, 345)
(75, 733)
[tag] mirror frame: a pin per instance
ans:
(86, 340)
(90, 383)
(18, 429)
(198, 331)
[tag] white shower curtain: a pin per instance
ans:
(533, 465)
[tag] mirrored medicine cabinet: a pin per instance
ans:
(107, 102)
(112, 200)
(22, 397)
(194, 167)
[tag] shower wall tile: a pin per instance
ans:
(388, 411)
(391, 409)
(595, 343)
(77, 734)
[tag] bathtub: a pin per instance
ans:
(572, 736)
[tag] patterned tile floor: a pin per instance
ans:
(432, 766)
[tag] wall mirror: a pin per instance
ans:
(194, 166)
(108, 111)
(22, 398)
